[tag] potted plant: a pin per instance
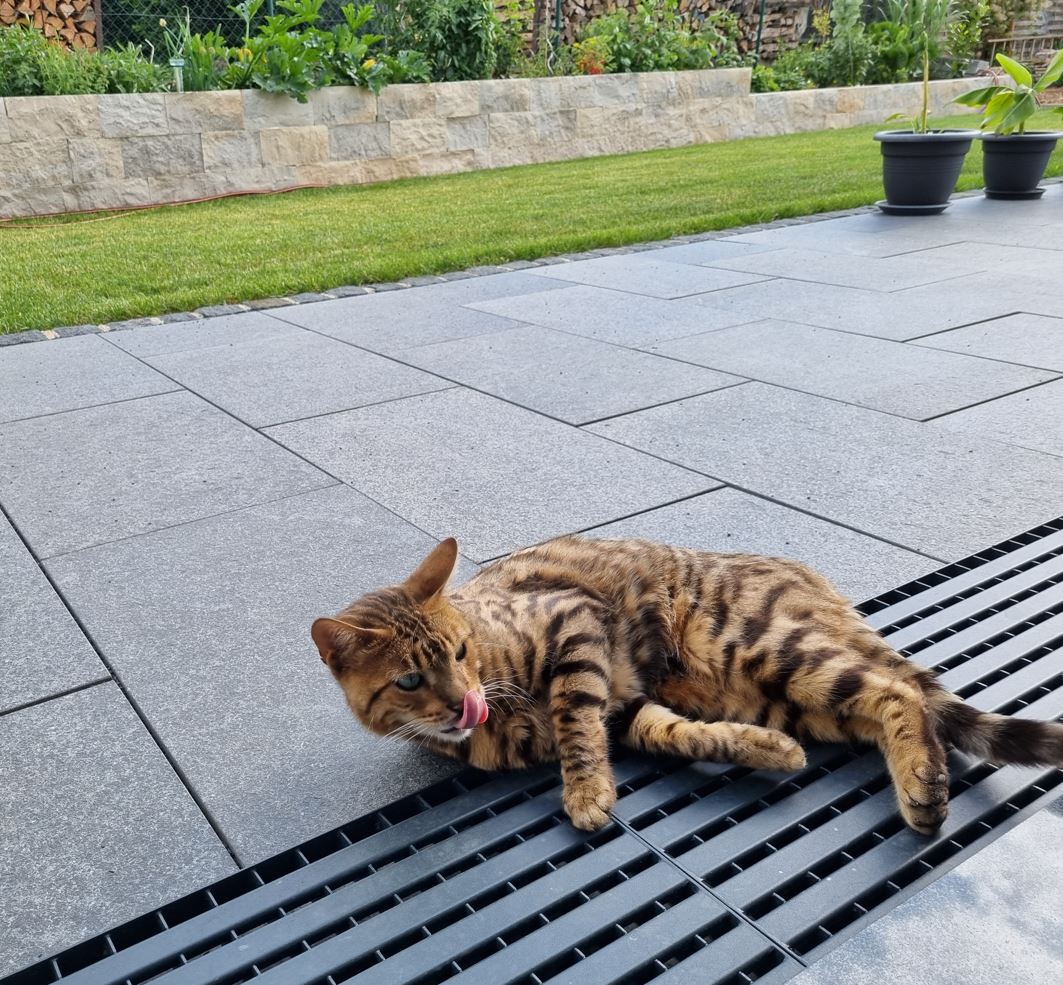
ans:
(1014, 158)
(920, 166)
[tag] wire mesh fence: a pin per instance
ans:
(137, 21)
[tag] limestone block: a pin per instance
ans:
(251, 179)
(445, 163)
(850, 100)
(506, 95)
(406, 102)
(229, 150)
(457, 99)
(95, 160)
(709, 82)
(265, 110)
(17, 201)
(295, 145)
(141, 114)
(33, 164)
(198, 112)
(331, 173)
(736, 114)
(545, 95)
(150, 157)
(182, 188)
(107, 194)
(658, 88)
(37, 117)
(418, 136)
(467, 133)
(359, 141)
(583, 91)
(341, 105)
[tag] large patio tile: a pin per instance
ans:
(941, 495)
(283, 379)
(735, 522)
(707, 251)
(868, 234)
(103, 473)
(208, 625)
(889, 376)
(845, 270)
(493, 475)
(396, 320)
(155, 340)
(1031, 340)
(42, 651)
(613, 316)
(96, 827)
(972, 257)
(646, 273)
(1032, 419)
(994, 918)
(899, 316)
(64, 374)
(565, 376)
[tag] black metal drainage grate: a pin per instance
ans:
(712, 874)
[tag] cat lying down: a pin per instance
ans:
(726, 657)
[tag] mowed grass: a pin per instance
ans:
(174, 259)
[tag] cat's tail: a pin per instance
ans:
(998, 738)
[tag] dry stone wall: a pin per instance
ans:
(65, 153)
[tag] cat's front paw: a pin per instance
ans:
(769, 749)
(588, 803)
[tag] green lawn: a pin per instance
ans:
(174, 259)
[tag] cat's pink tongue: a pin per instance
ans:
(474, 711)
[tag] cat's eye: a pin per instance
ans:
(460, 655)
(409, 682)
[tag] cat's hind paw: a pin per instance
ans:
(768, 749)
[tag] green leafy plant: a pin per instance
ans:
(1005, 109)
(459, 38)
(927, 23)
(846, 57)
(894, 55)
(965, 31)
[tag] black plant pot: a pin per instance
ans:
(1013, 165)
(919, 170)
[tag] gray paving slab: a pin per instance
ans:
(709, 250)
(95, 827)
(1031, 419)
(731, 521)
(565, 376)
(42, 651)
(899, 316)
(887, 376)
(994, 918)
(208, 625)
(154, 340)
(95, 475)
(495, 476)
(1030, 340)
(70, 373)
(941, 495)
(646, 273)
(973, 257)
(613, 316)
(996, 294)
(845, 270)
(396, 320)
(869, 234)
(290, 377)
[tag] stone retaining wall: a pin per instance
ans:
(64, 153)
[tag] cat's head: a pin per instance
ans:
(405, 656)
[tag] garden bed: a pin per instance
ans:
(67, 153)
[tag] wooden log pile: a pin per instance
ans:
(72, 23)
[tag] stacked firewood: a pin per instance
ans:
(73, 23)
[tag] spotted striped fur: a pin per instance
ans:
(723, 657)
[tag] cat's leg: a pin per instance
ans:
(651, 727)
(579, 697)
(876, 704)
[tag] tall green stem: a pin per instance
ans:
(924, 116)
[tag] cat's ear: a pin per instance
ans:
(430, 578)
(335, 638)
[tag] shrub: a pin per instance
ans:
(30, 65)
(846, 57)
(461, 39)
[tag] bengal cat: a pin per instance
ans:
(723, 657)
